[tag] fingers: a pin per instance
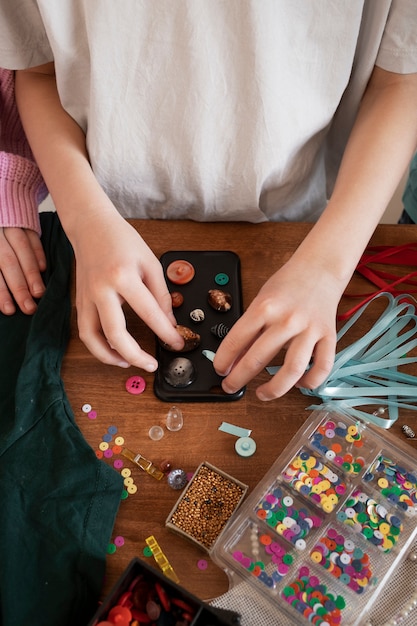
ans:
(155, 309)
(308, 360)
(22, 242)
(323, 361)
(92, 335)
(102, 327)
(37, 248)
(299, 368)
(237, 341)
(156, 284)
(7, 305)
(20, 267)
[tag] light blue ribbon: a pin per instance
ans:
(365, 373)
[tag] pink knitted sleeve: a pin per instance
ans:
(21, 185)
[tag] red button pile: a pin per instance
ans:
(146, 602)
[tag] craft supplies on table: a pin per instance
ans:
(324, 530)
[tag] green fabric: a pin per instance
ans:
(58, 501)
(410, 191)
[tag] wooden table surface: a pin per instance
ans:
(262, 248)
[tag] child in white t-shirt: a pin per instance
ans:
(215, 110)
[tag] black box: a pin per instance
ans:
(201, 614)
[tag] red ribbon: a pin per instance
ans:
(404, 255)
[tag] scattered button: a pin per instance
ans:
(245, 446)
(221, 279)
(177, 299)
(180, 272)
(177, 479)
(119, 541)
(197, 315)
(219, 300)
(135, 385)
(220, 330)
(202, 564)
(86, 408)
(180, 372)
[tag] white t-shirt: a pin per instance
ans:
(213, 109)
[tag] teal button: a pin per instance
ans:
(221, 279)
(245, 446)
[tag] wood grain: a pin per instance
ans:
(262, 248)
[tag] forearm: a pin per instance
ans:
(379, 150)
(59, 146)
(21, 184)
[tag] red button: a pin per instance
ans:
(180, 272)
(135, 385)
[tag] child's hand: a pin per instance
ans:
(115, 266)
(294, 311)
(22, 260)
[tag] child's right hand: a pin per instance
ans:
(22, 260)
(115, 266)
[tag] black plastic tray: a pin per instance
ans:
(206, 386)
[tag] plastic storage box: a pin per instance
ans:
(321, 534)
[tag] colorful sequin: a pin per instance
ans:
(307, 595)
(370, 518)
(395, 483)
(340, 443)
(344, 560)
(269, 567)
(315, 480)
(289, 519)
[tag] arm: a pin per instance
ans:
(21, 189)
(113, 263)
(296, 309)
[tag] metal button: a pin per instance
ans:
(177, 479)
(180, 372)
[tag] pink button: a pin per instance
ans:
(119, 541)
(135, 385)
